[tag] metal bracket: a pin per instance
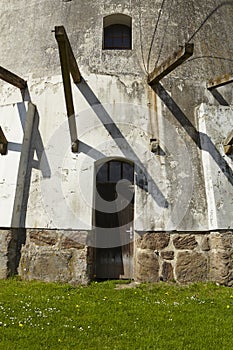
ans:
(154, 144)
(156, 148)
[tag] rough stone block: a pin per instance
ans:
(221, 267)
(154, 241)
(53, 256)
(54, 265)
(221, 241)
(147, 266)
(8, 250)
(73, 239)
(167, 272)
(204, 244)
(51, 266)
(185, 241)
(167, 255)
(43, 237)
(191, 267)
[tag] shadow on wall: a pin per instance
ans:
(221, 100)
(41, 163)
(124, 146)
(202, 140)
(18, 238)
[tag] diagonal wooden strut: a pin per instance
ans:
(228, 143)
(170, 64)
(68, 65)
(219, 81)
(12, 78)
(3, 143)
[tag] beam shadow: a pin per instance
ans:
(202, 140)
(221, 100)
(121, 142)
(94, 153)
(14, 146)
(41, 163)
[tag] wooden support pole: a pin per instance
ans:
(3, 142)
(60, 34)
(228, 143)
(170, 64)
(12, 78)
(219, 81)
(65, 60)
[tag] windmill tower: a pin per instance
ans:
(116, 140)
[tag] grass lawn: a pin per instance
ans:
(37, 315)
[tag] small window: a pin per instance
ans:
(117, 37)
(117, 33)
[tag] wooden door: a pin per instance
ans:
(114, 230)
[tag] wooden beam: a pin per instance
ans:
(3, 142)
(12, 78)
(228, 149)
(170, 64)
(229, 139)
(65, 69)
(228, 143)
(219, 81)
(61, 35)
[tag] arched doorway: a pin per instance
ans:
(113, 220)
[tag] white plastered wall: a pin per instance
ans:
(16, 121)
(215, 123)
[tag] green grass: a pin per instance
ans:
(37, 315)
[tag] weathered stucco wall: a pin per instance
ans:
(17, 122)
(215, 124)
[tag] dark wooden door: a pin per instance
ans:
(114, 230)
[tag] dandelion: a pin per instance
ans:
(120, 302)
(20, 324)
(228, 306)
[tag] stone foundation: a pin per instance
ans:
(11, 242)
(62, 256)
(54, 256)
(185, 257)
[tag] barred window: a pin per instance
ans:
(117, 33)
